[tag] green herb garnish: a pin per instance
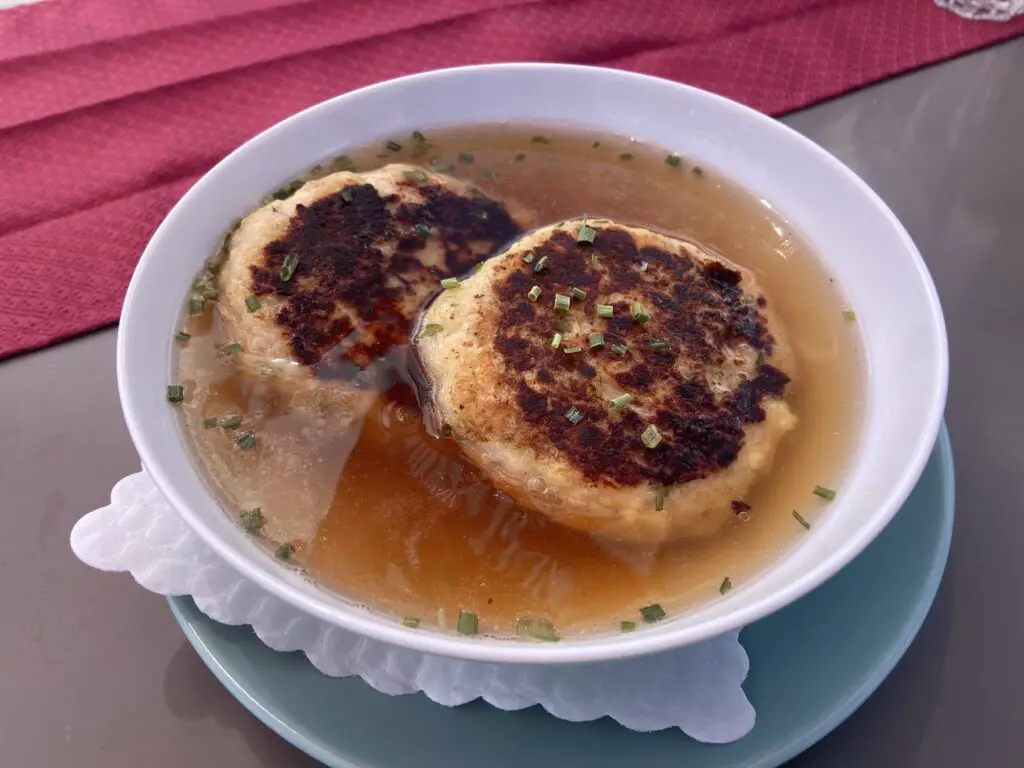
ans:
(577, 294)
(528, 257)
(587, 233)
(445, 168)
(430, 329)
(673, 160)
(620, 402)
(291, 262)
(175, 393)
(287, 190)
(418, 136)
(246, 441)
(538, 629)
(541, 139)
(467, 158)
(651, 437)
(196, 305)
(573, 350)
(659, 345)
(826, 493)
(411, 622)
(344, 163)
(450, 282)
(605, 310)
(760, 359)
(520, 157)
(627, 626)
(285, 551)
(596, 144)
(541, 263)
(252, 303)
(849, 315)
(417, 177)
(562, 302)
(231, 349)
(625, 156)
(182, 337)
(210, 423)
(394, 146)
(534, 293)
(469, 623)
(652, 613)
(422, 230)
(490, 175)
(346, 195)
(619, 349)
(697, 170)
(800, 519)
(639, 313)
(574, 415)
(659, 498)
(253, 520)
(556, 341)
(596, 340)
(726, 585)
(231, 422)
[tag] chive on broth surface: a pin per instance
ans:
(404, 523)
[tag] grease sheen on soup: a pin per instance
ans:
(402, 522)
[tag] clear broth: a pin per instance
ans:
(403, 523)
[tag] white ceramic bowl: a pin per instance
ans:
(863, 244)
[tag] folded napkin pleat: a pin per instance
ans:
(109, 109)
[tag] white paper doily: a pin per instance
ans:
(697, 689)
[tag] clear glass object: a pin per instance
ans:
(984, 10)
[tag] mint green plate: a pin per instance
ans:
(811, 665)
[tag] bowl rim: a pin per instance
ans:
(476, 649)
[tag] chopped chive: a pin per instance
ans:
(418, 136)
(469, 623)
(659, 345)
(726, 585)
(482, 215)
(346, 195)
(450, 168)
(528, 257)
(625, 156)
(619, 349)
(411, 622)
(760, 359)
(573, 350)
(231, 349)
(627, 626)
(697, 170)
(643, 266)
(466, 158)
(574, 415)
(394, 146)
(430, 329)
(534, 293)
(212, 268)
(252, 303)
(246, 441)
(253, 520)
(421, 230)
(620, 402)
(541, 139)
(538, 629)
(344, 162)
(287, 190)
(659, 498)
(210, 423)
(605, 310)
(651, 437)
(175, 393)
(849, 315)
(291, 262)
(596, 340)
(800, 519)
(231, 422)
(418, 177)
(562, 302)
(593, 260)
(577, 294)
(182, 337)
(652, 613)
(285, 551)
(556, 341)
(450, 282)
(490, 175)
(639, 313)
(673, 160)
(541, 263)
(520, 157)
(196, 305)
(596, 144)
(587, 233)
(826, 493)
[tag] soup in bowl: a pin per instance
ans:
(478, 363)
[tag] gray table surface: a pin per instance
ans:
(96, 673)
